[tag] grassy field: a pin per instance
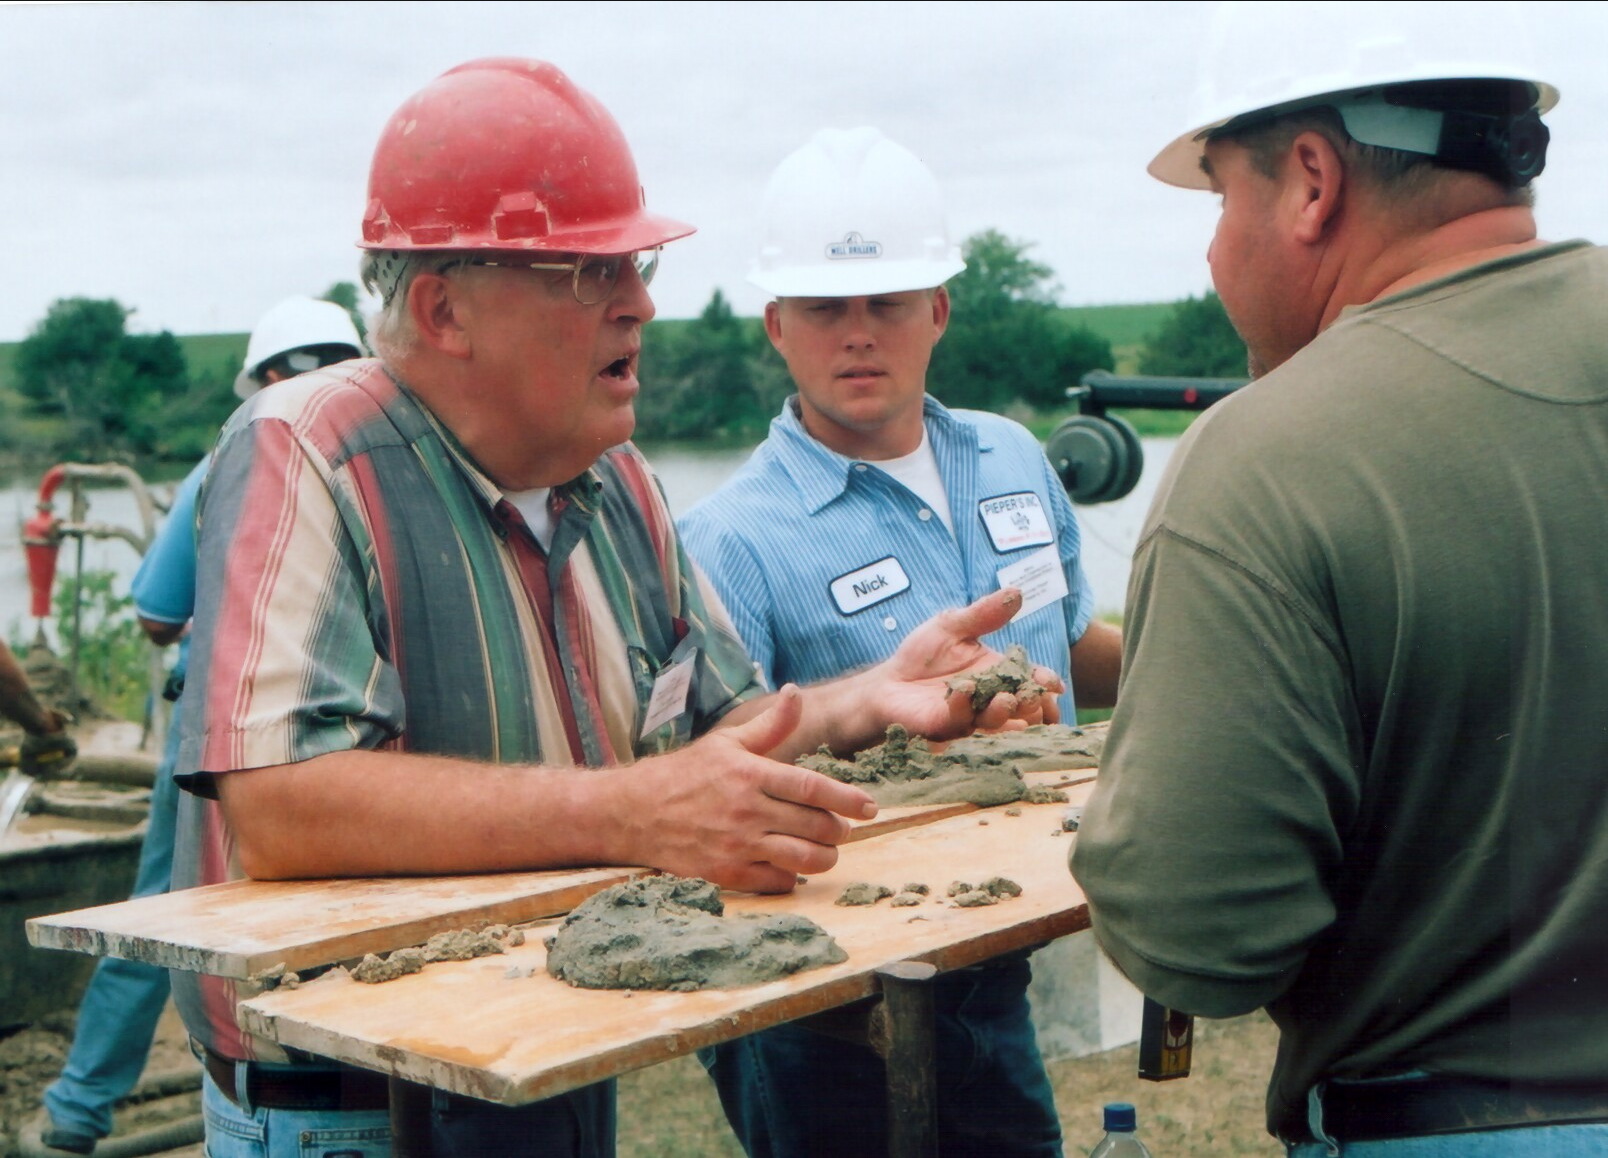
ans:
(670, 1110)
(1129, 324)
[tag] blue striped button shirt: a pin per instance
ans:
(797, 544)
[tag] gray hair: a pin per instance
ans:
(388, 274)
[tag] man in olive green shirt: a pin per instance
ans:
(1355, 773)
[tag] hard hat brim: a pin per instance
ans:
(642, 231)
(1179, 163)
(853, 279)
(645, 231)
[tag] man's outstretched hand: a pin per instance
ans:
(911, 687)
(917, 692)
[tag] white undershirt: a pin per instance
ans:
(918, 471)
(532, 507)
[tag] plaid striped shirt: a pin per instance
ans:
(361, 584)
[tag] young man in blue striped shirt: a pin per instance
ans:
(869, 508)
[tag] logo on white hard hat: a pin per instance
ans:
(853, 246)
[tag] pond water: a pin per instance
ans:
(1109, 529)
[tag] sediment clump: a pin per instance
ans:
(1040, 748)
(862, 893)
(453, 945)
(1013, 674)
(991, 892)
(904, 769)
(669, 932)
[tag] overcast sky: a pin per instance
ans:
(201, 161)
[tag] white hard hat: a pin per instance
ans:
(851, 213)
(1284, 57)
(294, 324)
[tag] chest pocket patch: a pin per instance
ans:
(869, 585)
(1016, 521)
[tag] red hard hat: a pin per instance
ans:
(508, 154)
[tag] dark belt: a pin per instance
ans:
(320, 1088)
(1414, 1107)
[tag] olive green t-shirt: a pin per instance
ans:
(1359, 768)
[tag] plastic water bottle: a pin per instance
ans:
(1119, 1140)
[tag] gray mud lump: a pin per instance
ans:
(453, 945)
(903, 769)
(1040, 748)
(668, 932)
(1013, 674)
(862, 893)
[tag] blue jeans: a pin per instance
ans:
(580, 1124)
(1580, 1141)
(790, 1092)
(118, 1014)
(236, 1132)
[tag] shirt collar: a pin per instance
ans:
(822, 474)
(581, 488)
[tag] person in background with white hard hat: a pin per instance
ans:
(869, 507)
(1356, 773)
(295, 336)
(118, 1014)
(473, 609)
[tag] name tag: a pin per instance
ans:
(1016, 521)
(669, 697)
(869, 585)
(1040, 578)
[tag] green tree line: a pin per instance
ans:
(81, 386)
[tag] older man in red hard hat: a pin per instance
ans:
(442, 601)
(1356, 772)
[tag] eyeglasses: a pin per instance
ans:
(592, 276)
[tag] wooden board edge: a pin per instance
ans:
(899, 817)
(489, 1086)
(389, 938)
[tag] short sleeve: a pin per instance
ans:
(164, 586)
(287, 661)
(1207, 849)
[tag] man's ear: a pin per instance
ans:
(940, 312)
(773, 324)
(1316, 190)
(437, 308)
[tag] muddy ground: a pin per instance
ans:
(32, 1057)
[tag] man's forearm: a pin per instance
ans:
(17, 700)
(1097, 665)
(161, 632)
(364, 813)
(838, 713)
(715, 809)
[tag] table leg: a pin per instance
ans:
(911, 1056)
(410, 1119)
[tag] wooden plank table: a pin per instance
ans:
(469, 1027)
(500, 1029)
